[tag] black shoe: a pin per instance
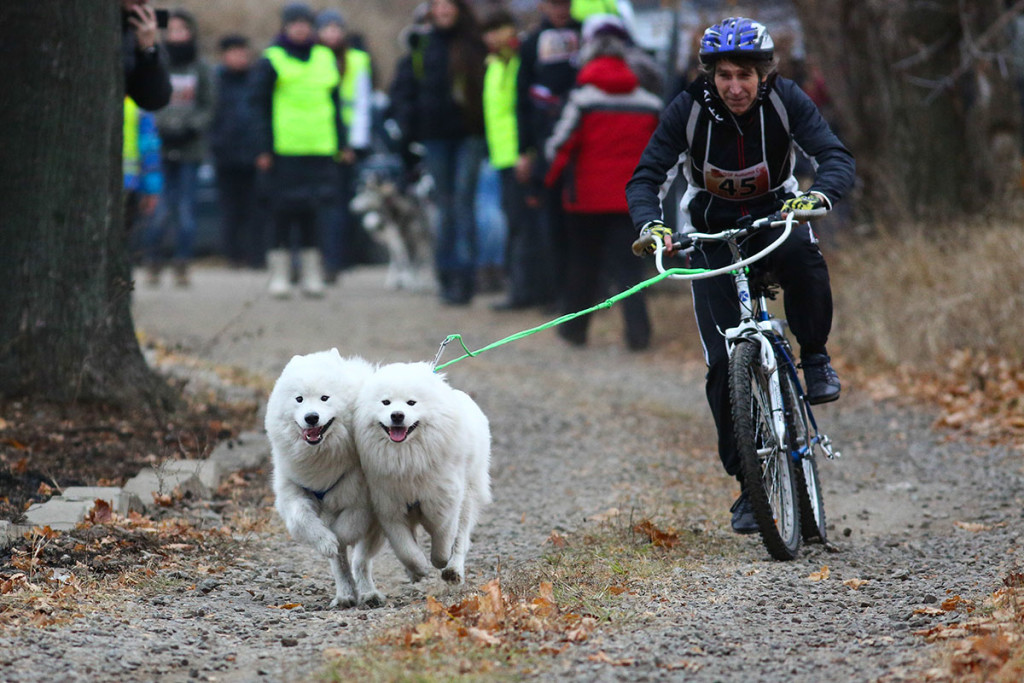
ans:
(743, 521)
(822, 381)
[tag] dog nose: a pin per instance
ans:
(312, 419)
(397, 417)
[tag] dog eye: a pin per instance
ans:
(411, 403)
(324, 398)
(298, 399)
(386, 402)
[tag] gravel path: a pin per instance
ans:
(576, 433)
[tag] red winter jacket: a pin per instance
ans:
(600, 136)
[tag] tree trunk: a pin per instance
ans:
(926, 99)
(66, 331)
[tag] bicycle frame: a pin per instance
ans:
(757, 325)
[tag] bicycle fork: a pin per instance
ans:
(754, 330)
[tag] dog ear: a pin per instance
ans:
(335, 351)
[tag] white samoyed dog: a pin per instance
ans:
(426, 449)
(319, 488)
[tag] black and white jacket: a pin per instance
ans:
(736, 165)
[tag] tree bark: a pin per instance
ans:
(66, 331)
(926, 99)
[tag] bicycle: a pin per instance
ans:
(776, 434)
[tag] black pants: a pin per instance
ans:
(302, 190)
(599, 253)
(527, 251)
(243, 242)
(800, 269)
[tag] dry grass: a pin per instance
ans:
(516, 625)
(915, 298)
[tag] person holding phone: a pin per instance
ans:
(147, 79)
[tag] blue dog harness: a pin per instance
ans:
(320, 494)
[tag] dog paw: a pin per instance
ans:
(343, 602)
(417, 574)
(451, 575)
(373, 599)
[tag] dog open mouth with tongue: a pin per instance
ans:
(314, 435)
(398, 433)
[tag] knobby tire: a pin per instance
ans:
(770, 483)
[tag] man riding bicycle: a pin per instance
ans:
(734, 134)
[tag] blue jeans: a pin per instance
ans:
(492, 231)
(455, 166)
(177, 201)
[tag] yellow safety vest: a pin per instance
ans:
(130, 151)
(357, 63)
(581, 9)
(500, 111)
(303, 115)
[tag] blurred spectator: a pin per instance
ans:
(297, 116)
(233, 146)
(502, 40)
(547, 72)
(649, 74)
(491, 232)
(146, 79)
(357, 115)
(143, 180)
(181, 124)
(437, 100)
(596, 144)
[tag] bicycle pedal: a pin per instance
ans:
(826, 446)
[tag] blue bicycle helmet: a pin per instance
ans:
(736, 37)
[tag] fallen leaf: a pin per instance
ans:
(556, 539)
(101, 512)
(973, 527)
(929, 611)
(659, 538)
(956, 602)
(288, 605)
(581, 632)
(483, 637)
(820, 575)
(602, 657)
(855, 584)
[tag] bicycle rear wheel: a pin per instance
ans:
(808, 486)
(769, 479)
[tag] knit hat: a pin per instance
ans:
(297, 11)
(328, 17)
(605, 25)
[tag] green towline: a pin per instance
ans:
(607, 303)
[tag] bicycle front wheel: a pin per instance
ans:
(808, 486)
(769, 479)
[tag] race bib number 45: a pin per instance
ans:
(737, 185)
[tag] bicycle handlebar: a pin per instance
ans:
(745, 226)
